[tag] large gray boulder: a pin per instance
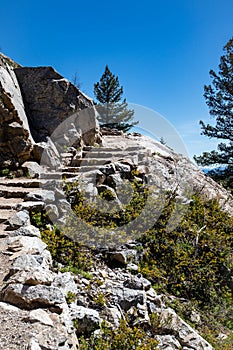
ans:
(50, 99)
(28, 230)
(33, 103)
(65, 282)
(185, 333)
(15, 138)
(87, 319)
(31, 270)
(32, 297)
(26, 245)
(19, 219)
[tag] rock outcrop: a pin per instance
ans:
(15, 138)
(50, 99)
(33, 103)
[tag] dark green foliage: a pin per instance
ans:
(219, 98)
(108, 89)
(66, 251)
(195, 261)
(70, 297)
(223, 177)
(63, 249)
(113, 113)
(4, 172)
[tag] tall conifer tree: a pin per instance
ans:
(113, 113)
(219, 98)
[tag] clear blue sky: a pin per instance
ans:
(162, 50)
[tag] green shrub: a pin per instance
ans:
(5, 172)
(195, 261)
(70, 297)
(100, 299)
(122, 338)
(90, 213)
(67, 252)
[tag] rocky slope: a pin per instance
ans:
(43, 307)
(39, 305)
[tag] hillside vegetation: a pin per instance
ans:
(191, 266)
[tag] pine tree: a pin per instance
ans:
(219, 98)
(113, 113)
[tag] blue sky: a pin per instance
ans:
(162, 50)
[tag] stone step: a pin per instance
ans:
(89, 161)
(19, 204)
(100, 159)
(102, 154)
(9, 203)
(93, 161)
(90, 167)
(15, 192)
(77, 171)
(30, 205)
(3, 230)
(126, 146)
(58, 175)
(26, 183)
(101, 149)
(5, 214)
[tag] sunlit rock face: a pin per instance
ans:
(15, 137)
(50, 99)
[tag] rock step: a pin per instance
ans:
(101, 160)
(59, 175)
(30, 205)
(126, 148)
(82, 169)
(15, 192)
(89, 161)
(3, 230)
(103, 154)
(5, 214)
(101, 149)
(93, 161)
(9, 203)
(26, 183)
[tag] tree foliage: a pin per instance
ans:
(219, 98)
(113, 113)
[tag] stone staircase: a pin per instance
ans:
(115, 148)
(93, 158)
(14, 192)
(17, 194)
